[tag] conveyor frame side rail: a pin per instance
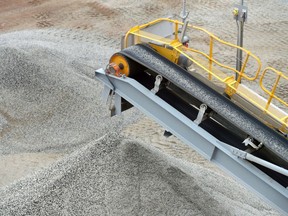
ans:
(196, 137)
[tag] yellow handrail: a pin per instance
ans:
(272, 92)
(135, 31)
(237, 47)
(231, 83)
(211, 59)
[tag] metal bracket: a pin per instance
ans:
(112, 99)
(200, 115)
(116, 108)
(167, 134)
(157, 83)
(264, 163)
(106, 94)
(183, 31)
(240, 13)
(249, 141)
(239, 153)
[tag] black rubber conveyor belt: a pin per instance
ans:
(147, 57)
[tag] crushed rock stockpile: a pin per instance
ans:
(49, 99)
(115, 176)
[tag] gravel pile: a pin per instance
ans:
(49, 99)
(114, 176)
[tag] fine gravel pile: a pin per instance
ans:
(114, 176)
(49, 99)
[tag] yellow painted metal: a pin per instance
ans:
(210, 57)
(232, 86)
(284, 125)
(273, 111)
(243, 68)
(121, 60)
(153, 37)
(140, 32)
(236, 47)
(271, 94)
(168, 53)
(176, 30)
(171, 48)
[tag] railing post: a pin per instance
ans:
(184, 14)
(243, 68)
(272, 92)
(210, 57)
(240, 15)
(176, 30)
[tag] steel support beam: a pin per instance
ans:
(197, 138)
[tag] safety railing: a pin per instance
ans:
(135, 31)
(226, 78)
(139, 31)
(212, 60)
(271, 93)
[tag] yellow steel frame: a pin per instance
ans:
(271, 93)
(175, 44)
(231, 83)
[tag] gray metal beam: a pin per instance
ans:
(200, 140)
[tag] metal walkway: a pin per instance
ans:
(231, 159)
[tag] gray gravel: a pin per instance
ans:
(49, 99)
(114, 176)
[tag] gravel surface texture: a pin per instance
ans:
(115, 176)
(53, 94)
(61, 153)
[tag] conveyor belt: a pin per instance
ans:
(222, 105)
(208, 124)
